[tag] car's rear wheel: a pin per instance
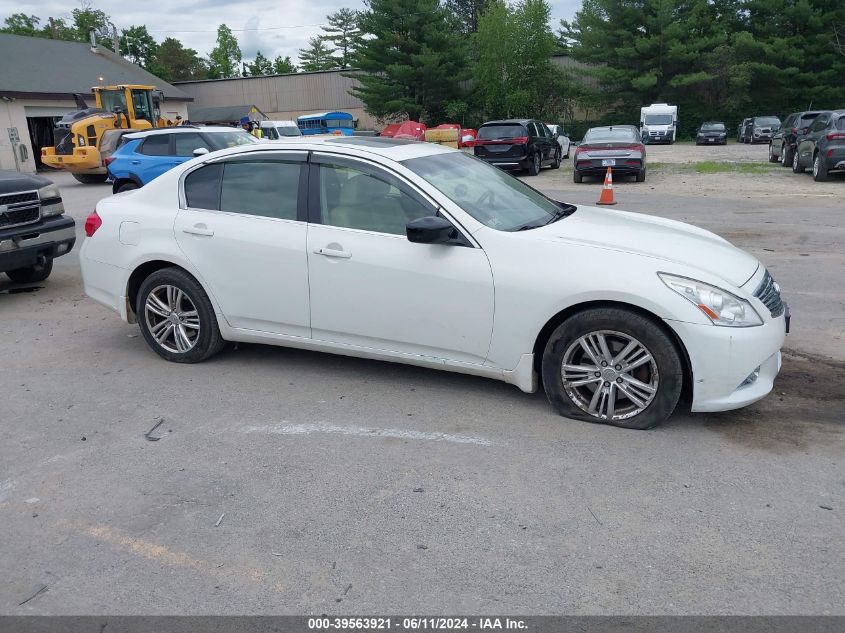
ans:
(534, 165)
(557, 159)
(819, 168)
(576, 177)
(612, 366)
(176, 317)
(641, 175)
(91, 179)
(127, 186)
(797, 167)
(31, 274)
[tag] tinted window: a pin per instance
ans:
(605, 134)
(767, 121)
(270, 132)
(840, 123)
(355, 199)
(158, 145)
(491, 132)
(487, 193)
(202, 187)
(186, 143)
(222, 140)
(713, 127)
(819, 124)
(807, 119)
(266, 188)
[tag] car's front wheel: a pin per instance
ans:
(557, 159)
(127, 186)
(797, 167)
(772, 157)
(785, 155)
(176, 317)
(612, 366)
(91, 179)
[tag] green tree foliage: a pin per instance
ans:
(412, 62)
(225, 58)
(344, 34)
(137, 45)
(317, 56)
(174, 62)
(716, 59)
(467, 12)
(513, 72)
(86, 19)
(22, 24)
(283, 66)
(260, 66)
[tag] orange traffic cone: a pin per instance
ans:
(606, 196)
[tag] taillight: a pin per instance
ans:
(108, 161)
(519, 140)
(92, 223)
(835, 136)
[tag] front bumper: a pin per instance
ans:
(23, 246)
(84, 160)
(722, 358)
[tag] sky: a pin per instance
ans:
(279, 27)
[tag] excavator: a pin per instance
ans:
(84, 135)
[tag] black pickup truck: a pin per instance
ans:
(33, 227)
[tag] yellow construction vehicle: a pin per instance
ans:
(80, 135)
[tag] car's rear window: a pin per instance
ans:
(606, 134)
(808, 118)
(494, 132)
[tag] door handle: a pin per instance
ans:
(136, 162)
(198, 229)
(330, 252)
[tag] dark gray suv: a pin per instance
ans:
(822, 147)
(782, 146)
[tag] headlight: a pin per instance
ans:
(720, 306)
(51, 200)
(756, 130)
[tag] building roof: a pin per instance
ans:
(41, 68)
(224, 114)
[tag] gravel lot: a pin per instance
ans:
(290, 482)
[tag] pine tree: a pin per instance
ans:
(344, 34)
(317, 56)
(468, 13)
(412, 62)
(283, 66)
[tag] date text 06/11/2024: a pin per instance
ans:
(415, 624)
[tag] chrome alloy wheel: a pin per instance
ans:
(609, 375)
(172, 319)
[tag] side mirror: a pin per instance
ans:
(430, 230)
(200, 151)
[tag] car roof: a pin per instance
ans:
(508, 122)
(393, 149)
(613, 127)
(181, 130)
(281, 123)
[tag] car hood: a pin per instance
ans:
(654, 237)
(15, 181)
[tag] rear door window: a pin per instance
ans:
(202, 187)
(157, 145)
(185, 144)
(267, 188)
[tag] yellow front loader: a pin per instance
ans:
(80, 133)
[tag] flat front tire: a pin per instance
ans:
(612, 366)
(176, 317)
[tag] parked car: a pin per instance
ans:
(823, 146)
(760, 129)
(274, 130)
(33, 227)
(148, 154)
(561, 137)
(616, 146)
(518, 144)
(740, 130)
(783, 142)
(405, 252)
(711, 133)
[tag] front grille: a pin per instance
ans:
(769, 293)
(19, 208)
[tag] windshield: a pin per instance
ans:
(607, 135)
(491, 196)
(112, 99)
(658, 119)
(288, 130)
(767, 120)
(222, 140)
(713, 127)
(492, 132)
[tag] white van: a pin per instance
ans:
(274, 130)
(659, 123)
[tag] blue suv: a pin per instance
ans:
(148, 154)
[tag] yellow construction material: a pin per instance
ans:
(444, 137)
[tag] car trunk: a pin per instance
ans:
(501, 141)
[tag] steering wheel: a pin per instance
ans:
(488, 197)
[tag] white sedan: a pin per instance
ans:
(562, 139)
(417, 253)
